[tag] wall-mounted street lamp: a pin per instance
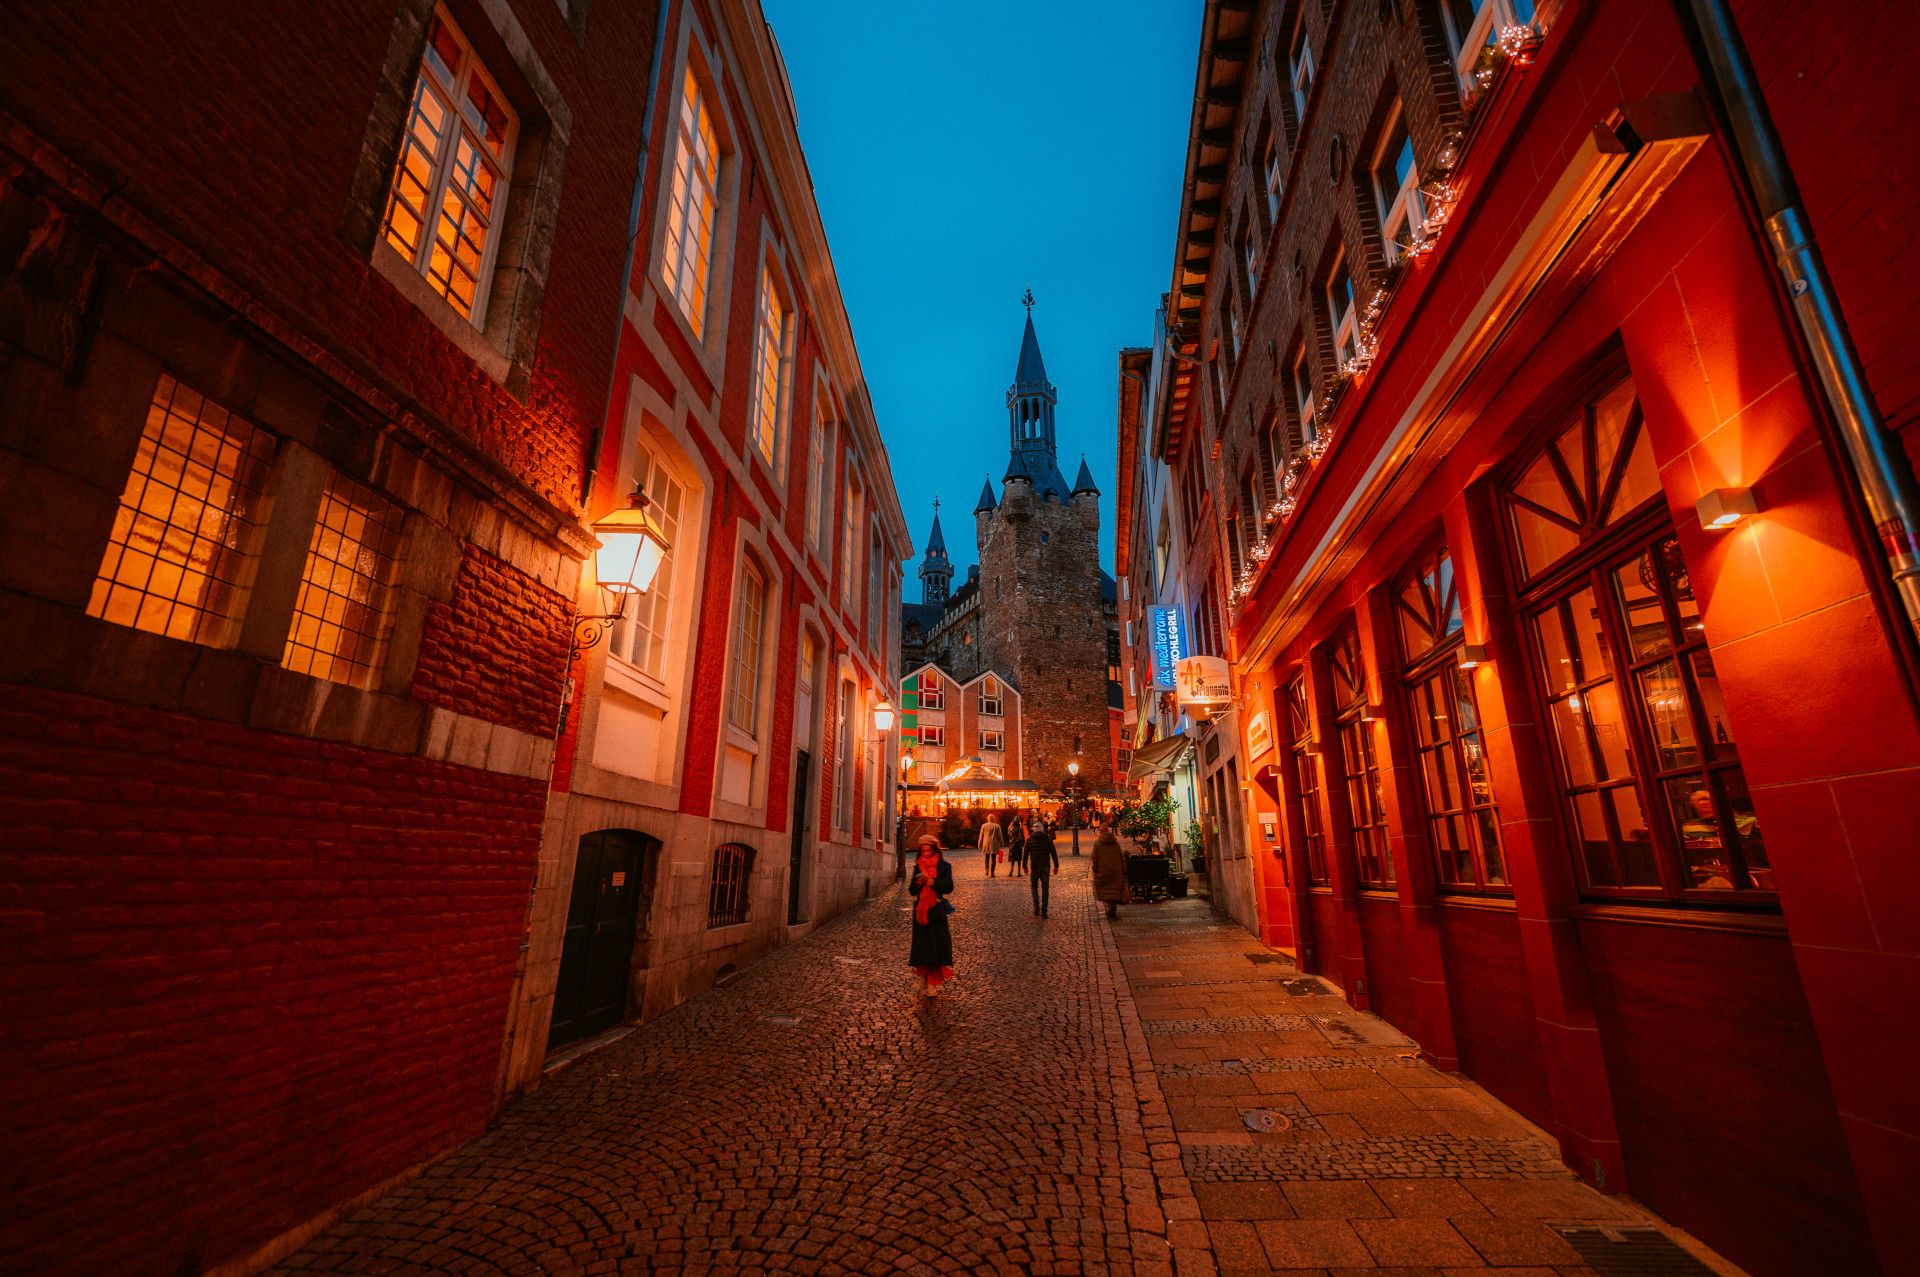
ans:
(883, 716)
(1724, 507)
(626, 560)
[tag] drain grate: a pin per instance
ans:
(1631, 1252)
(1305, 987)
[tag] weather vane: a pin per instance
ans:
(1027, 300)
(936, 503)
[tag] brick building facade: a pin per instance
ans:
(1039, 610)
(721, 787)
(1571, 665)
(300, 355)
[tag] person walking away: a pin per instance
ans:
(1042, 860)
(1109, 869)
(1017, 846)
(993, 840)
(931, 953)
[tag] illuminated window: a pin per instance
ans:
(1449, 745)
(843, 756)
(1300, 65)
(642, 637)
(749, 637)
(1360, 764)
(1306, 780)
(1396, 191)
(772, 367)
(819, 505)
(990, 703)
(450, 184)
(993, 742)
(1474, 25)
(340, 616)
(727, 884)
(933, 736)
(180, 560)
(1341, 313)
(933, 693)
(693, 205)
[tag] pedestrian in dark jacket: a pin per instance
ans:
(1109, 870)
(1042, 860)
(1017, 846)
(931, 955)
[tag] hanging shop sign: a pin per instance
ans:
(1167, 630)
(1204, 682)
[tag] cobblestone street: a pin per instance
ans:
(1081, 1099)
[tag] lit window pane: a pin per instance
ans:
(340, 617)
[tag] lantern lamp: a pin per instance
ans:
(630, 552)
(883, 715)
(1073, 768)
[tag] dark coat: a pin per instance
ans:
(932, 942)
(1042, 856)
(1109, 868)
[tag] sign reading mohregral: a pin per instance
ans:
(1168, 633)
(1204, 682)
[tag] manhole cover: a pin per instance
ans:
(781, 1017)
(1631, 1252)
(1261, 1121)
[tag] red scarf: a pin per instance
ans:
(929, 867)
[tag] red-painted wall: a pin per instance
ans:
(249, 976)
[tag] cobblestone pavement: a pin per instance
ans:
(1314, 1138)
(1084, 1098)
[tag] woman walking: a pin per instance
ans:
(931, 955)
(1109, 869)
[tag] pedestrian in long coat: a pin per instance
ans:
(1042, 859)
(931, 954)
(1109, 869)
(1017, 846)
(993, 839)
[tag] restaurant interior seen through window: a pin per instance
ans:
(1653, 792)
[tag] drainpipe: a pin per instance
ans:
(1879, 466)
(633, 247)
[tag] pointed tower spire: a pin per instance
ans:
(987, 501)
(936, 569)
(1030, 403)
(1083, 482)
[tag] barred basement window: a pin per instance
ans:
(727, 891)
(181, 558)
(692, 206)
(340, 618)
(450, 185)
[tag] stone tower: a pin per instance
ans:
(1040, 584)
(936, 569)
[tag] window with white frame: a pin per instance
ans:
(933, 735)
(749, 641)
(1303, 401)
(1275, 173)
(818, 472)
(990, 703)
(642, 638)
(1473, 25)
(843, 755)
(1273, 448)
(1341, 313)
(992, 742)
(933, 692)
(1396, 190)
(693, 206)
(852, 515)
(450, 184)
(772, 367)
(1300, 65)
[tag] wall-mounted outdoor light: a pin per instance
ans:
(1724, 507)
(883, 716)
(625, 561)
(1473, 655)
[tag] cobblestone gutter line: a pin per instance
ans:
(1175, 1191)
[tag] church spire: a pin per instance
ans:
(1030, 403)
(936, 569)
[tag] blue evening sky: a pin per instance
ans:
(963, 151)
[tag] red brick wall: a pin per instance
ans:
(293, 95)
(248, 976)
(496, 651)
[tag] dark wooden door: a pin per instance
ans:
(797, 859)
(597, 958)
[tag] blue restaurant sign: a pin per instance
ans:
(1168, 631)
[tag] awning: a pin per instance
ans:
(1161, 756)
